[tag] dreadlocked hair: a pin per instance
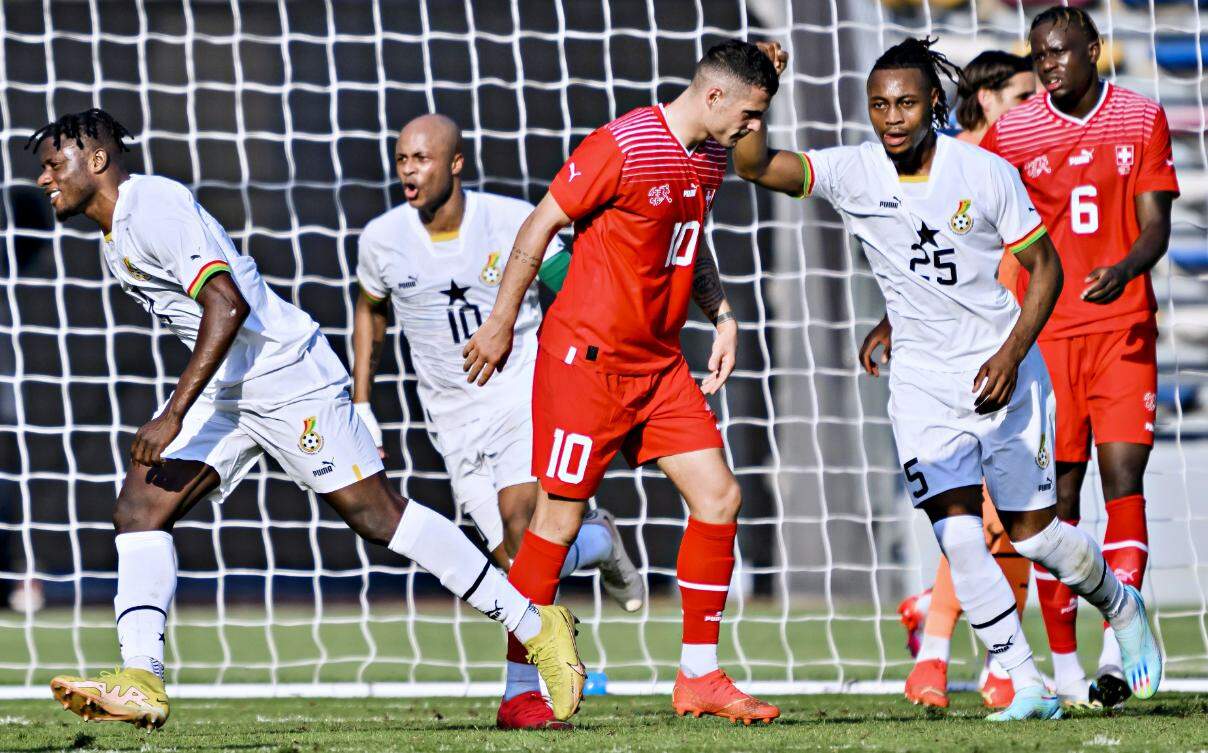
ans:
(1062, 15)
(95, 124)
(917, 53)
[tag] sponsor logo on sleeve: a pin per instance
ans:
(572, 172)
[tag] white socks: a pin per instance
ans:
(1074, 558)
(591, 547)
(986, 597)
(146, 583)
(1067, 672)
(935, 647)
(698, 659)
(1110, 655)
(439, 546)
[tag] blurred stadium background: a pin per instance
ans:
(281, 116)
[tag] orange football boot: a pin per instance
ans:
(997, 692)
(927, 684)
(716, 694)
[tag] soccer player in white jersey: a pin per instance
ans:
(261, 379)
(969, 392)
(439, 260)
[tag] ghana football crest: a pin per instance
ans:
(311, 440)
(134, 271)
(492, 272)
(1042, 455)
(961, 221)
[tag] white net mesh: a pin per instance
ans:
(281, 116)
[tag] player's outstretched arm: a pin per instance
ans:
(771, 168)
(1105, 284)
(880, 336)
(709, 295)
(223, 311)
(487, 351)
(368, 335)
(1000, 372)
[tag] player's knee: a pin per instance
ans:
(377, 521)
(724, 506)
(1122, 480)
(132, 514)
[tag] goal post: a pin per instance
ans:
(282, 116)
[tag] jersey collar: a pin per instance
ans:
(937, 163)
(662, 115)
(417, 226)
(1048, 102)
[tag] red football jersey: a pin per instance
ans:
(1083, 176)
(639, 201)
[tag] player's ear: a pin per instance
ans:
(713, 95)
(459, 161)
(98, 161)
(1093, 50)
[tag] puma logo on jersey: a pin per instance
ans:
(890, 204)
(572, 173)
(323, 470)
(1082, 158)
(659, 194)
(690, 191)
(408, 283)
(1037, 167)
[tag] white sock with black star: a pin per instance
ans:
(146, 583)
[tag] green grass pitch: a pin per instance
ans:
(1175, 722)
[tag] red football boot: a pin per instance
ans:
(528, 710)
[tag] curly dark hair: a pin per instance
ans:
(95, 124)
(917, 53)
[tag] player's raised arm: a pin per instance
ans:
(487, 351)
(223, 313)
(774, 169)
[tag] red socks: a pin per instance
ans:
(1126, 540)
(704, 567)
(1059, 607)
(535, 573)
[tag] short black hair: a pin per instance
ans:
(991, 70)
(917, 53)
(94, 123)
(744, 61)
(1063, 15)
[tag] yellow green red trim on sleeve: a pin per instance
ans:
(372, 298)
(807, 167)
(1034, 235)
(204, 274)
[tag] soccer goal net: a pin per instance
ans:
(281, 117)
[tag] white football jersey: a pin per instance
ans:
(443, 289)
(164, 247)
(935, 249)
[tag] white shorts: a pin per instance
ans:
(483, 457)
(319, 440)
(944, 444)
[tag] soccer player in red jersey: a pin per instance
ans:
(1097, 163)
(610, 373)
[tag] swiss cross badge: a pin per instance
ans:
(1124, 158)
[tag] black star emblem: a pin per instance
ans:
(927, 235)
(455, 292)
(161, 637)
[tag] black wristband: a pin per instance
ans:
(725, 316)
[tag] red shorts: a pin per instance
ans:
(1106, 386)
(582, 416)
